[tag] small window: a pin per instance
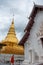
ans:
(41, 41)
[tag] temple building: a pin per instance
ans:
(11, 45)
(33, 38)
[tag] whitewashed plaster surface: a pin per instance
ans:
(33, 43)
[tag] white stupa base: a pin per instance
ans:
(25, 62)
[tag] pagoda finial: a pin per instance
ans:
(13, 18)
(13, 14)
(11, 35)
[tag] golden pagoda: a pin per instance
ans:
(11, 42)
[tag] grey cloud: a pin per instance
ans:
(21, 13)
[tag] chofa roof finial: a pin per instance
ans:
(33, 2)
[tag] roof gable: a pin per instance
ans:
(30, 23)
(33, 14)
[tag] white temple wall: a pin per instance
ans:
(34, 41)
(29, 54)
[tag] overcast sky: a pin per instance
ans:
(21, 10)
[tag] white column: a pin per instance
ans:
(30, 56)
(33, 57)
(26, 51)
(26, 54)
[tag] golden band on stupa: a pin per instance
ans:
(11, 42)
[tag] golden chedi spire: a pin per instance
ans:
(11, 31)
(12, 42)
(11, 38)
